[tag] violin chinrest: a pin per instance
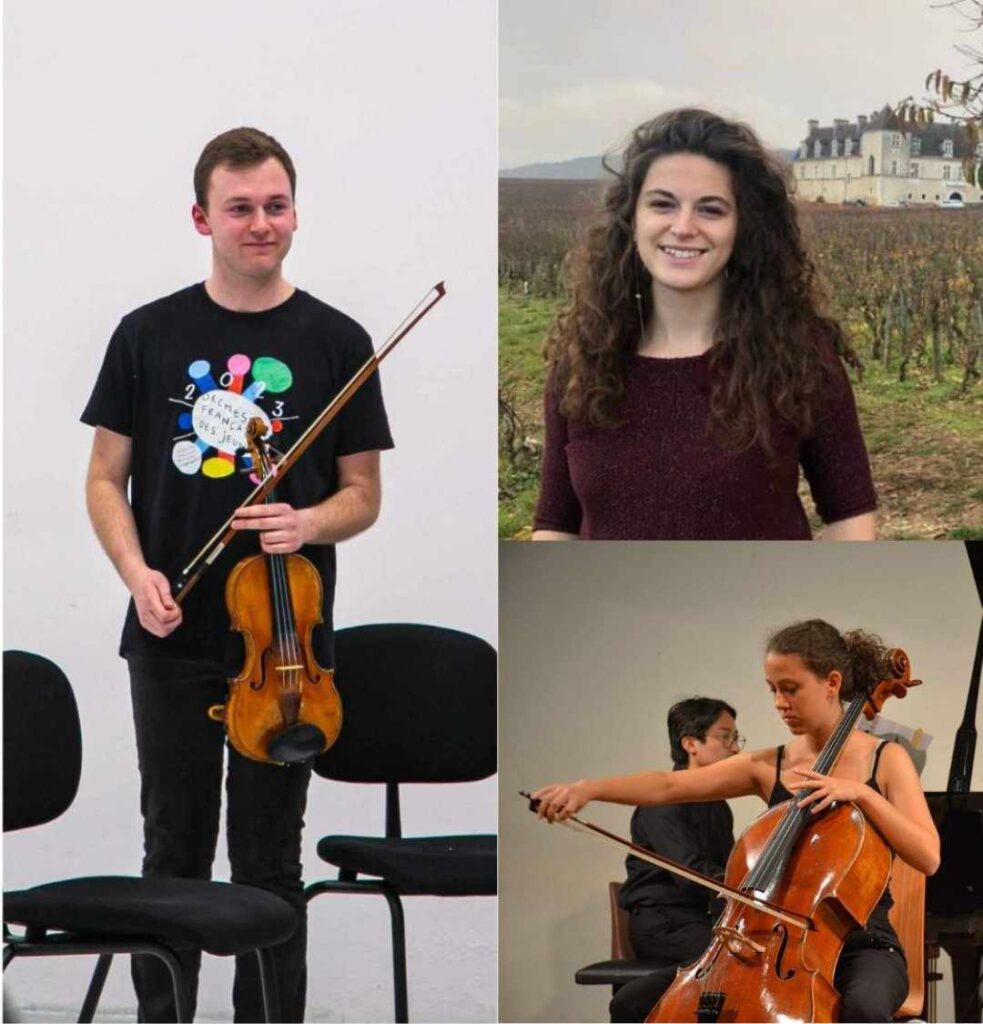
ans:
(296, 743)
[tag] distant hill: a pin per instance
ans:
(585, 168)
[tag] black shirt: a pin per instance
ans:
(181, 377)
(699, 836)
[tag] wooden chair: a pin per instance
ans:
(907, 917)
(623, 966)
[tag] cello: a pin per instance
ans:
(796, 885)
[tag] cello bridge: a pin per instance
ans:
(736, 943)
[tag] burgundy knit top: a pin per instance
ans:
(660, 476)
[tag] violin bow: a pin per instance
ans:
(216, 544)
(721, 888)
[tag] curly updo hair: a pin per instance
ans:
(859, 657)
(772, 345)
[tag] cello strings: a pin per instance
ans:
(763, 874)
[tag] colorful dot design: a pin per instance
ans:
(219, 411)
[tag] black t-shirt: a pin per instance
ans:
(699, 836)
(181, 377)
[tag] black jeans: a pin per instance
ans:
(180, 753)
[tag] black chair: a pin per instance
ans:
(42, 763)
(420, 706)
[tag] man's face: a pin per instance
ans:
(250, 218)
(721, 741)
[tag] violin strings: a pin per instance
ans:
(286, 638)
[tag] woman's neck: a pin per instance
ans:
(816, 738)
(684, 322)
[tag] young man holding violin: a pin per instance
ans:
(181, 378)
(671, 919)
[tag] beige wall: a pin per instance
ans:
(598, 640)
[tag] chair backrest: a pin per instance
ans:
(42, 741)
(621, 948)
(907, 917)
(419, 705)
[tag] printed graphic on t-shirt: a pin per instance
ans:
(216, 412)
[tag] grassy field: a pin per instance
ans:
(924, 438)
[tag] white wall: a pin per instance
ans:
(389, 112)
(599, 640)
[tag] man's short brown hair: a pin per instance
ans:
(239, 148)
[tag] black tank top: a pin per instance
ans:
(878, 932)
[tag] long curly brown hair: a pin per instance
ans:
(859, 657)
(772, 346)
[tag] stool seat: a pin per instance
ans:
(614, 972)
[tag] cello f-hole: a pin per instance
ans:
(783, 931)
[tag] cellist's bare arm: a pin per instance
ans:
(112, 520)
(731, 777)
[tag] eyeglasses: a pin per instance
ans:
(730, 739)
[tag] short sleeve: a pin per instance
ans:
(558, 507)
(363, 425)
(834, 458)
(111, 403)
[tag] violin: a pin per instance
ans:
(796, 884)
(283, 706)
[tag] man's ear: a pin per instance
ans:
(200, 220)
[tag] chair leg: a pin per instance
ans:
(94, 993)
(267, 981)
(182, 1004)
(399, 956)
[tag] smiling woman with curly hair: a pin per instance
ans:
(692, 374)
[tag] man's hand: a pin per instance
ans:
(158, 612)
(282, 527)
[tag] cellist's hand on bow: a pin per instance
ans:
(560, 801)
(826, 790)
(283, 528)
(157, 611)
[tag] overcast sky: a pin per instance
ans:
(576, 75)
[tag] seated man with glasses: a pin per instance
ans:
(670, 919)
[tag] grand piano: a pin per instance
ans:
(954, 894)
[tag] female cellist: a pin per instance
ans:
(810, 668)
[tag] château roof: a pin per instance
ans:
(931, 135)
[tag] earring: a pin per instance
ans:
(638, 297)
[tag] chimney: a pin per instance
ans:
(813, 126)
(840, 122)
(862, 121)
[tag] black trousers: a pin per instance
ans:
(180, 753)
(872, 982)
(667, 937)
